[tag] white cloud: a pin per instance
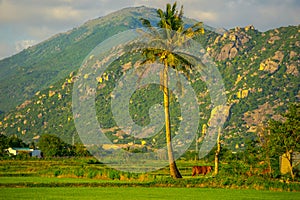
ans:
(207, 16)
(24, 44)
(63, 13)
(40, 32)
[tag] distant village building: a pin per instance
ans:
(32, 152)
(36, 153)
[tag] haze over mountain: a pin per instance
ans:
(260, 71)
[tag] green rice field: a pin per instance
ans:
(140, 193)
(76, 179)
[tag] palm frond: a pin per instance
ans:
(164, 41)
(174, 7)
(168, 12)
(181, 12)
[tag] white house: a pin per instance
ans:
(32, 152)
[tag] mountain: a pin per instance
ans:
(260, 71)
(63, 53)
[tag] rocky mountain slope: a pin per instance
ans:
(260, 71)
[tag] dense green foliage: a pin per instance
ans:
(284, 136)
(9, 141)
(52, 145)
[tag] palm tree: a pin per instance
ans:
(170, 35)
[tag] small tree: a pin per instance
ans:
(3, 144)
(251, 156)
(14, 141)
(51, 145)
(264, 143)
(285, 136)
(80, 150)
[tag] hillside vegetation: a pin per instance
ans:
(260, 71)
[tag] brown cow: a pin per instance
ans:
(266, 171)
(201, 170)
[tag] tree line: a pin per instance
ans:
(49, 144)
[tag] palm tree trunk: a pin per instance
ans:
(217, 152)
(174, 172)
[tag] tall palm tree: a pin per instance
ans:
(171, 35)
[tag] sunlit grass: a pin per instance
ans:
(104, 193)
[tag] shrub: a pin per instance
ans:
(23, 156)
(92, 174)
(57, 173)
(91, 161)
(79, 172)
(113, 174)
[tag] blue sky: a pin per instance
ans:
(27, 22)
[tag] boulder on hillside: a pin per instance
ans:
(228, 51)
(278, 56)
(269, 65)
(237, 39)
(273, 39)
(293, 54)
(249, 27)
(292, 69)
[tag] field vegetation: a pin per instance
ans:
(88, 172)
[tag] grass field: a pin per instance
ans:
(132, 193)
(7, 180)
(77, 179)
